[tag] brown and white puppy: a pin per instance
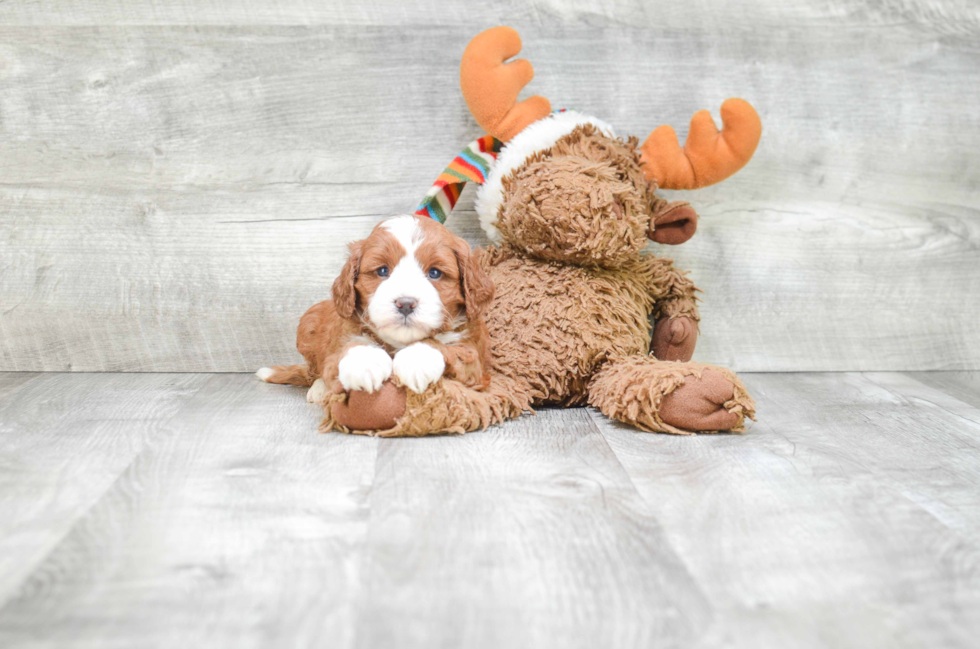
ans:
(409, 302)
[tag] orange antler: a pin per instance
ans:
(709, 155)
(490, 86)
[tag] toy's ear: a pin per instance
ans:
(476, 285)
(673, 224)
(344, 293)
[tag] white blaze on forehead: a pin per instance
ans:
(406, 279)
(406, 230)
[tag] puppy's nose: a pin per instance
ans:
(406, 305)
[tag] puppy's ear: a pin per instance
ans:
(475, 283)
(344, 293)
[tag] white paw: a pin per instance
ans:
(317, 393)
(418, 366)
(264, 373)
(364, 368)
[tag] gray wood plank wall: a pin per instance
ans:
(178, 178)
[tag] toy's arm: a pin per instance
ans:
(673, 291)
(675, 310)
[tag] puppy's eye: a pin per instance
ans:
(435, 273)
(383, 271)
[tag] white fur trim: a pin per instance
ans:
(541, 135)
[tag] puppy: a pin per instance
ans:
(409, 302)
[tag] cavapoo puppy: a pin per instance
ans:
(409, 303)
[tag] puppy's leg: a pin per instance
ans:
(418, 366)
(289, 374)
(363, 367)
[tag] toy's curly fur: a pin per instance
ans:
(555, 324)
(571, 320)
(633, 389)
(445, 407)
(584, 201)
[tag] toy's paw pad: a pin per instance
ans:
(317, 393)
(674, 339)
(418, 366)
(699, 404)
(378, 410)
(364, 368)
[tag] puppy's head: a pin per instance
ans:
(410, 279)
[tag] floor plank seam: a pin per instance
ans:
(15, 593)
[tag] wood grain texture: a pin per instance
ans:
(531, 535)
(846, 517)
(204, 510)
(238, 526)
(179, 179)
(65, 439)
(961, 385)
(946, 16)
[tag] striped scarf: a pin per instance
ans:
(472, 164)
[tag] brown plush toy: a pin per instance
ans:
(581, 316)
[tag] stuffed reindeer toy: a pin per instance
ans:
(580, 315)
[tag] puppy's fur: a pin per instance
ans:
(361, 337)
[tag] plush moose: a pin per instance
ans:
(581, 315)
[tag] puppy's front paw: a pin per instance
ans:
(418, 366)
(364, 368)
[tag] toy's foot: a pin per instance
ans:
(377, 410)
(699, 404)
(670, 397)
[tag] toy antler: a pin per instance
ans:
(490, 86)
(709, 155)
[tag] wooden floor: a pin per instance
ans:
(151, 510)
